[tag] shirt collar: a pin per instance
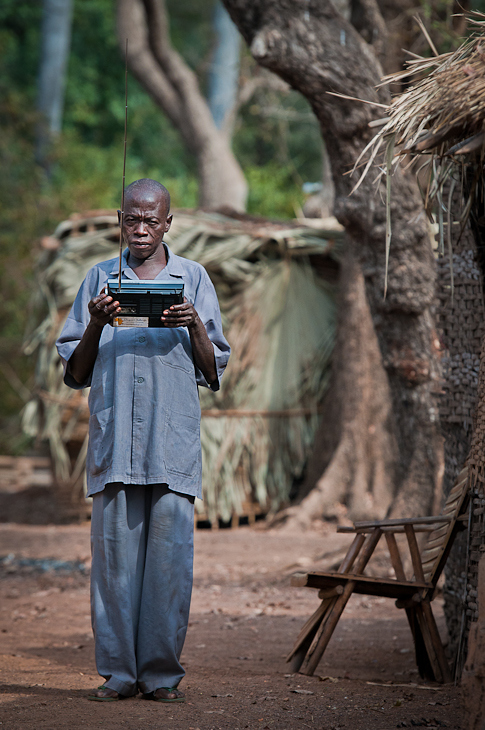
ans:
(173, 267)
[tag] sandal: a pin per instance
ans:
(167, 691)
(101, 695)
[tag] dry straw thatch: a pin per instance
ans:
(441, 116)
(279, 317)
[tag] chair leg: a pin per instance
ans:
(422, 659)
(319, 629)
(324, 634)
(306, 635)
(429, 638)
(299, 656)
(436, 641)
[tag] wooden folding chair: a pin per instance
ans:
(414, 594)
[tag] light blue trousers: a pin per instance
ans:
(142, 541)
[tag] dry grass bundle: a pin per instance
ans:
(279, 318)
(440, 116)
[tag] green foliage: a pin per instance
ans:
(274, 191)
(20, 214)
(278, 128)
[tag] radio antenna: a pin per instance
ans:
(124, 166)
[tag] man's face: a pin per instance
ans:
(145, 221)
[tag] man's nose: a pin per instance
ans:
(141, 228)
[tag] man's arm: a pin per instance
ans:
(101, 308)
(185, 315)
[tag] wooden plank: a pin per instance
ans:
(336, 606)
(437, 644)
(352, 553)
(307, 632)
(399, 529)
(433, 542)
(461, 507)
(403, 521)
(428, 565)
(431, 552)
(368, 585)
(410, 602)
(428, 643)
(395, 555)
(456, 490)
(299, 580)
(422, 658)
(326, 593)
(440, 531)
(414, 550)
(450, 508)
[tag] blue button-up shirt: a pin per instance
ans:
(144, 402)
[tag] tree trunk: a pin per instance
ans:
(56, 41)
(363, 453)
(312, 47)
(174, 87)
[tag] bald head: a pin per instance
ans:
(148, 189)
(145, 220)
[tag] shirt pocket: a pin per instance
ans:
(101, 433)
(175, 349)
(182, 445)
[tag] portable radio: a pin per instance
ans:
(143, 302)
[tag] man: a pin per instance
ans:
(144, 458)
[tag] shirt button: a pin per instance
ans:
(141, 339)
(140, 380)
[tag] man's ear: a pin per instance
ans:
(168, 223)
(119, 217)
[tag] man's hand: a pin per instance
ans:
(181, 315)
(185, 315)
(102, 309)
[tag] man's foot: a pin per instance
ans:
(165, 694)
(104, 694)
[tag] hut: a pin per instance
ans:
(437, 127)
(275, 285)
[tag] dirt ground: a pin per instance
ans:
(244, 619)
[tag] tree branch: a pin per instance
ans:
(174, 87)
(366, 17)
(162, 71)
(131, 25)
(183, 80)
(314, 49)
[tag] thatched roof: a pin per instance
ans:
(279, 319)
(443, 108)
(440, 116)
